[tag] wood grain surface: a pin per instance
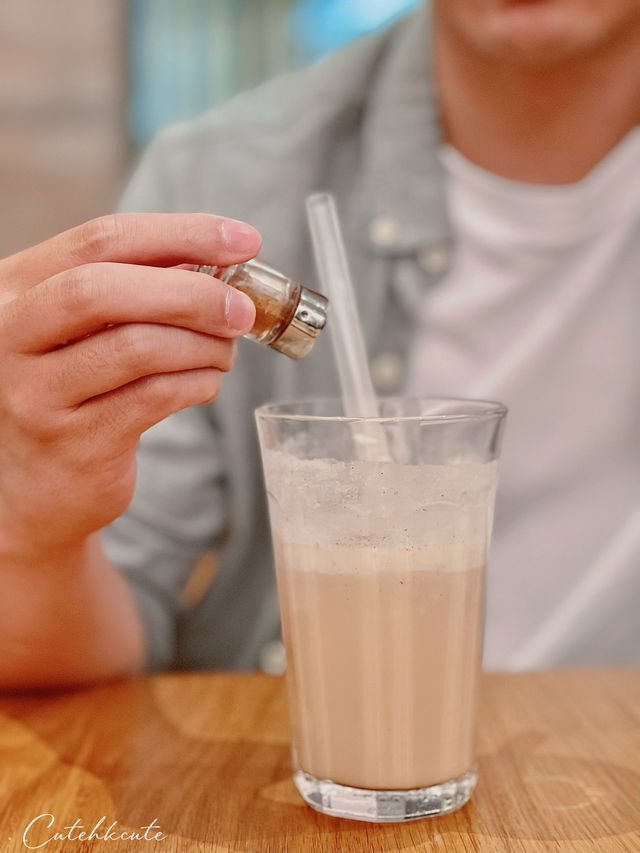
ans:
(207, 756)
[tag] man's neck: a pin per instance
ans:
(547, 126)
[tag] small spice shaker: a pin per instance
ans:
(289, 317)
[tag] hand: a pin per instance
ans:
(102, 336)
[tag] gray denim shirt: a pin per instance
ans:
(363, 124)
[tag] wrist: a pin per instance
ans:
(28, 538)
(21, 545)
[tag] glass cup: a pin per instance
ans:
(381, 528)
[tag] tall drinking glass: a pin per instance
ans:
(381, 528)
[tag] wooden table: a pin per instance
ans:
(207, 757)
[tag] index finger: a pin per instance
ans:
(153, 239)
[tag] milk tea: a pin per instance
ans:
(380, 572)
(383, 652)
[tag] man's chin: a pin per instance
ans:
(535, 33)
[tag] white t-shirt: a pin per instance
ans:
(541, 310)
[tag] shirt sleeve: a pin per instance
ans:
(178, 509)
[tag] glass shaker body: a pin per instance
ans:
(289, 317)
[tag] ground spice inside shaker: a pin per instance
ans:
(289, 317)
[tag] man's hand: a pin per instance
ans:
(101, 336)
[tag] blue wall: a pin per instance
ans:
(187, 55)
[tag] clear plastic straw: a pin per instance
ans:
(358, 395)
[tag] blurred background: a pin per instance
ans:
(85, 84)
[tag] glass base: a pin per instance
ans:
(385, 806)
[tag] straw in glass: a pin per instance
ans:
(358, 395)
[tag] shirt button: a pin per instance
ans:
(384, 231)
(272, 659)
(387, 372)
(434, 259)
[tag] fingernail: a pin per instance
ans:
(239, 311)
(239, 236)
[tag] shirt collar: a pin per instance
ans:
(404, 204)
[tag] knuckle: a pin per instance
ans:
(133, 346)
(78, 291)
(23, 404)
(17, 315)
(91, 360)
(196, 231)
(155, 389)
(18, 403)
(98, 238)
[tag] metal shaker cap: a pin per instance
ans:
(308, 320)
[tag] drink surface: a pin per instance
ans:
(383, 656)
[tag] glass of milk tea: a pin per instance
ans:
(381, 529)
